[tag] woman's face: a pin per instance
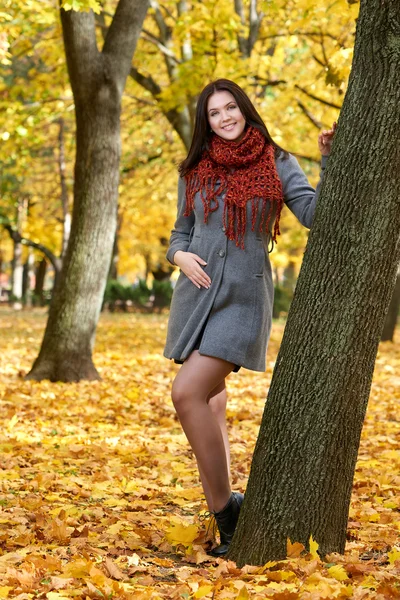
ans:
(224, 116)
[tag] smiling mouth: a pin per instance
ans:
(230, 126)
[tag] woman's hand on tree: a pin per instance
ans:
(190, 263)
(325, 140)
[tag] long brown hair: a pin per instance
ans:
(202, 132)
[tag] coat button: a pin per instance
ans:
(223, 229)
(221, 253)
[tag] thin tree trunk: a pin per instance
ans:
(29, 276)
(113, 273)
(64, 189)
(392, 314)
(97, 80)
(303, 467)
(39, 281)
(17, 276)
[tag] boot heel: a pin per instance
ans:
(226, 520)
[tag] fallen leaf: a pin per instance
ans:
(112, 569)
(338, 573)
(180, 533)
(294, 550)
(313, 547)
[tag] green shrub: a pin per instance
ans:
(162, 292)
(140, 296)
(282, 299)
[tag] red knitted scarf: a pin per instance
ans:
(245, 171)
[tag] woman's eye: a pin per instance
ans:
(232, 106)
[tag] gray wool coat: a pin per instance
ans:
(235, 313)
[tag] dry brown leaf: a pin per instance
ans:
(112, 569)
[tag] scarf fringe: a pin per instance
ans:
(246, 172)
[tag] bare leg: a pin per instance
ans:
(197, 378)
(217, 402)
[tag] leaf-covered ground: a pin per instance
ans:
(99, 494)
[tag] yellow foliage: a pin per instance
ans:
(100, 495)
(180, 533)
(394, 555)
(203, 591)
(303, 52)
(338, 572)
(314, 548)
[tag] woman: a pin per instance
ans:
(231, 190)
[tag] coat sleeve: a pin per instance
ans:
(180, 235)
(299, 195)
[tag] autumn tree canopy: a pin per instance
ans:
(292, 58)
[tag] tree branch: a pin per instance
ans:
(309, 116)
(154, 40)
(122, 37)
(161, 24)
(319, 61)
(242, 42)
(19, 239)
(146, 81)
(166, 38)
(326, 102)
(255, 22)
(186, 46)
(81, 50)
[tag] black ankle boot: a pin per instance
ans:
(227, 519)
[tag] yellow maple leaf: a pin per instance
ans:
(78, 568)
(4, 591)
(394, 555)
(179, 533)
(203, 591)
(12, 422)
(243, 594)
(338, 572)
(313, 547)
(370, 582)
(279, 575)
(293, 550)
(115, 528)
(131, 486)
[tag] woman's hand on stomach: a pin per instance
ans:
(191, 264)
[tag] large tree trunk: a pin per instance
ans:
(97, 81)
(301, 477)
(392, 313)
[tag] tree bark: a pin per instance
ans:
(17, 268)
(64, 189)
(113, 272)
(97, 81)
(17, 275)
(18, 239)
(392, 314)
(303, 467)
(39, 281)
(28, 277)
